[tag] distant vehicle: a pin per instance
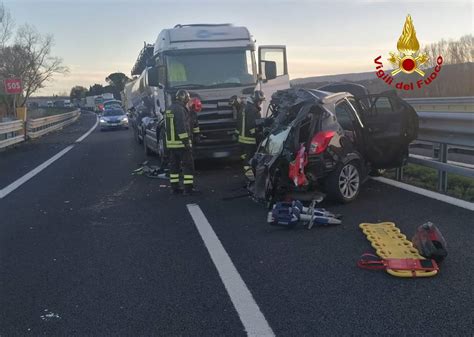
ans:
(49, 104)
(99, 104)
(113, 119)
(331, 141)
(58, 104)
(213, 62)
(67, 103)
(112, 104)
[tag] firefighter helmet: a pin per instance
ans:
(183, 96)
(235, 101)
(258, 96)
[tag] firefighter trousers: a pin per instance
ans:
(181, 162)
(247, 151)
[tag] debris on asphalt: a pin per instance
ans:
(289, 214)
(49, 316)
(154, 172)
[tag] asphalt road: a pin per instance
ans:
(87, 249)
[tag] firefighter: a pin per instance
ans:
(246, 117)
(179, 144)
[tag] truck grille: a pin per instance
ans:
(217, 122)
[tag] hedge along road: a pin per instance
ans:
(89, 249)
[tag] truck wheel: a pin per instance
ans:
(146, 149)
(136, 134)
(162, 152)
(343, 184)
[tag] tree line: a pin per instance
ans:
(116, 83)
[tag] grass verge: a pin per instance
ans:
(458, 186)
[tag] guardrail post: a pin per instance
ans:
(443, 175)
(399, 174)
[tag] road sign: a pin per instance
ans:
(12, 86)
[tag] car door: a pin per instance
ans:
(389, 125)
(273, 71)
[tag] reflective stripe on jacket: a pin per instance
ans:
(177, 128)
(246, 123)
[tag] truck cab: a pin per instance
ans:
(214, 63)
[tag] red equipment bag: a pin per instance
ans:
(429, 241)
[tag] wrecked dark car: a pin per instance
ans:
(330, 142)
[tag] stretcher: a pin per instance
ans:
(398, 256)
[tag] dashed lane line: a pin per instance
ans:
(249, 313)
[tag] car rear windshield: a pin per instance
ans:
(112, 105)
(114, 113)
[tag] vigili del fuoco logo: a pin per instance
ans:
(408, 60)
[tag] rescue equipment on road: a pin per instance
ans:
(395, 253)
(289, 214)
(430, 242)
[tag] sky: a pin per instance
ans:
(96, 38)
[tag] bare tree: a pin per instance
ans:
(30, 59)
(6, 25)
(452, 51)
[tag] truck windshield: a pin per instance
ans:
(211, 69)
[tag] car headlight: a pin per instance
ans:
(102, 120)
(125, 119)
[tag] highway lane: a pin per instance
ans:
(116, 255)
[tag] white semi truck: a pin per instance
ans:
(213, 62)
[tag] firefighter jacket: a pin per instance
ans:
(246, 118)
(178, 133)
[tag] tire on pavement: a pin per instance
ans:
(343, 184)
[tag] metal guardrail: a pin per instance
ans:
(17, 131)
(40, 126)
(11, 133)
(447, 122)
(443, 104)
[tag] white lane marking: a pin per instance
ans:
(430, 194)
(20, 181)
(81, 138)
(249, 313)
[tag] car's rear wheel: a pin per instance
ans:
(343, 184)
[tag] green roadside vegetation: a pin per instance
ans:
(458, 186)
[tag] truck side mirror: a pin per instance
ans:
(270, 70)
(156, 76)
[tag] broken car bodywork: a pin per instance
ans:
(375, 137)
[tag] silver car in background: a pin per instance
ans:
(113, 119)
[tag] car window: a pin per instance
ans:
(383, 106)
(111, 105)
(344, 115)
(113, 113)
(357, 106)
